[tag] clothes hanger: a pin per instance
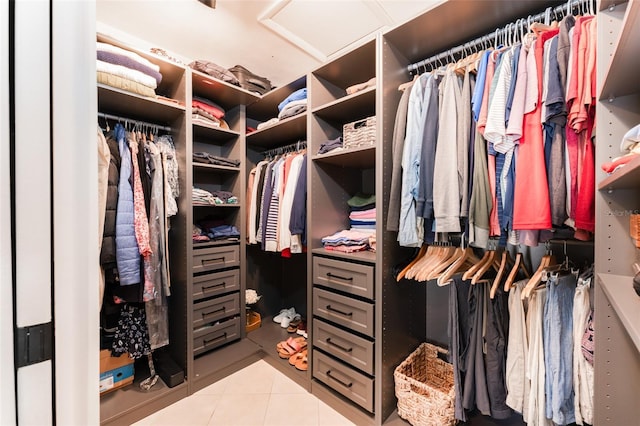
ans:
(449, 256)
(504, 262)
(432, 249)
(491, 262)
(518, 265)
(465, 261)
(423, 269)
(546, 261)
(421, 253)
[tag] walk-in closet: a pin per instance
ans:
(419, 212)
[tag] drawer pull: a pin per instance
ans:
(209, 287)
(330, 275)
(329, 341)
(205, 342)
(346, 314)
(206, 262)
(346, 385)
(206, 314)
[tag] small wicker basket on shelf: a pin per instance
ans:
(361, 133)
(424, 388)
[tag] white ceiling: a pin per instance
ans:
(278, 39)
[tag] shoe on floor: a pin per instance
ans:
(286, 321)
(283, 314)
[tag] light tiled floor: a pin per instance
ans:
(256, 395)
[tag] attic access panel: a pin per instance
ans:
(322, 28)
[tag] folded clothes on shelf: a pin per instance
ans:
(206, 158)
(330, 145)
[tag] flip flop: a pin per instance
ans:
(291, 348)
(289, 340)
(293, 325)
(302, 364)
(297, 357)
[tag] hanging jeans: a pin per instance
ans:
(558, 348)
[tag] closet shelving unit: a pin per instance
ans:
(280, 281)
(131, 403)
(617, 307)
(215, 270)
(344, 340)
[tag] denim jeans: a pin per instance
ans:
(558, 348)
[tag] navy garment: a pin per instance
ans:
(424, 200)
(507, 212)
(496, 339)
(459, 329)
(298, 219)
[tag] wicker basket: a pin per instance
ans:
(424, 388)
(359, 133)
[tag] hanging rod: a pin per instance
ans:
(129, 120)
(500, 32)
(285, 148)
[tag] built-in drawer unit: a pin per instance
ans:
(212, 258)
(343, 379)
(216, 283)
(348, 277)
(351, 313)
(216, 309)
(211, 336)
(348, 347)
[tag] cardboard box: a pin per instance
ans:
(115, 372)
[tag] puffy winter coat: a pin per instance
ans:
(108, 251)
(127, 253)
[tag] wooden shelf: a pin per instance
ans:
(354, 67)
(267, 106)
(621, 76)
(288, 130)
(171, 71)
(130, 105)
(222, 206)
(202, 131)
(215, 168)
(353, 157)
(350, 108)
(605, 4)
(217, 243)
(226, 95)
(360, 256)
(218, 362)
(627, 177)
(625, 302)
(131, 398)
(267, 337)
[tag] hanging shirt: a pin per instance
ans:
(408, 234)
(446, 186)
(477, 98)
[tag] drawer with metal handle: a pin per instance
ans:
(214, 284)
(351, 278)
(213, 336)
(212, 258)
(343, 379)
(351, 313)
(343, 345)
(215, 309)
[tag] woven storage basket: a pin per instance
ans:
(424, 388)
(359, 133)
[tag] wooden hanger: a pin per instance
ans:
(471, 271)
(547, 260)
(444, 259)
(421, 252)
(518, 265)
(439, 269)
(467, 259)
(491, 262)
(422, 269)
(432, 250)
(504, 262)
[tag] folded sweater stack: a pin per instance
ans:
(126, 70)
(362, 219)
(207, 112)
(294, 104)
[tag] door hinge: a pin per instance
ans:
(34, 344)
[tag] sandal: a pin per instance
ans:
(293, 325)
(291, 348)
(302, 364)
(288, 341)
(297, 357)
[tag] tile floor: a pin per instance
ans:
(256, 395)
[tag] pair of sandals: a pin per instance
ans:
(295, 349)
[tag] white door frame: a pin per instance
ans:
(48, 210)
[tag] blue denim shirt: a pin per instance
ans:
(408, 234)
